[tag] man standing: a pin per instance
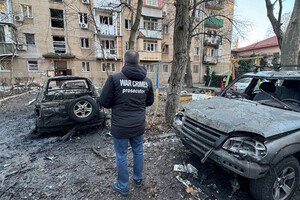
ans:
(128, 93)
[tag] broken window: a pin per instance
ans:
(106, 20)
(85, 66)
(33, 65)
(5, 66)
(150, 23)
(109, 66)
(84, 43)
(196, 51)
(83, 18)
(195, 69)
(127, 24)
(150, 45)
(29, 38)
(165, 68)
(26, 11)
(126, 45)
(165, 48)
(59, 44)
(109, 45)
(57, 18)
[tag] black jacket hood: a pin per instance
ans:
(134, 72)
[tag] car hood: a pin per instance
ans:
(231, 115)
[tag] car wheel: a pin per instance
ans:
(82, 109)
(280, 183)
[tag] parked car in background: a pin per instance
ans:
(254, 133)
(66, 101)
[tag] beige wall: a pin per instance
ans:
(40, 25)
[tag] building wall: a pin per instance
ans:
(40, 26)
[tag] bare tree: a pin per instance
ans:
(136, 24)
(285, 22)
(289, 42)
(195, 27)
(179, 58)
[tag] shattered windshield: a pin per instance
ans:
(68, 86)
(279, 93)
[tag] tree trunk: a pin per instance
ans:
(276, 24)
(188, 75)
(291, 39)
(136, 24)
(179, 58)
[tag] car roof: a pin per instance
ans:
(67, 78)
(274, 75)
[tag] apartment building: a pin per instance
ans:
(44, 38)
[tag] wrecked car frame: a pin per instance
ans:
(255, 134)
(66, 101)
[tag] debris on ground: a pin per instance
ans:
(166, 135)
(187, 168)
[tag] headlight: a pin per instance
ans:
(246, 148)
(178, 118)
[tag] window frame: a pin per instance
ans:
(26, 41)
(85, 66)
(83, 18)
(111, 66)
(59, 43)
(28, 9)
(110, 20)
(110, 42)
(150, 45)
(196, 51)
(57, 19)
(164, 49)
(30, 65)
(84, 41)
(127, 23)
(167, 67)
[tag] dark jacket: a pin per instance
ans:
(128, 93)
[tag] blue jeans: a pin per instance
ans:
(121, 148)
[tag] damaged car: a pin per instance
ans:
(65, 102)
(254, 133)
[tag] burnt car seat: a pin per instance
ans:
(267, 87)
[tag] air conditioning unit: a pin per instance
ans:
(19, 18)
(22, 47)
(86, 1)
(84, 26)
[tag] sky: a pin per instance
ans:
(255, 12)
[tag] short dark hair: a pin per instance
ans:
(132, 57)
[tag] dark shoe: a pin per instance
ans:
(116, 188)
(138, 183)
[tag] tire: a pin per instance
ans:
(82, 109)
(285, 173)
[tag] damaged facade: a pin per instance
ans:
(55, 37)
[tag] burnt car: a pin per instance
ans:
(66, 101)
(254, 133)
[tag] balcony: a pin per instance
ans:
(109, 30)
(150, 56)
(6, 48)
(215, 5)
(212, 41)
(210, 59)
(214, 22)
(154, 34)
(108, 54)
